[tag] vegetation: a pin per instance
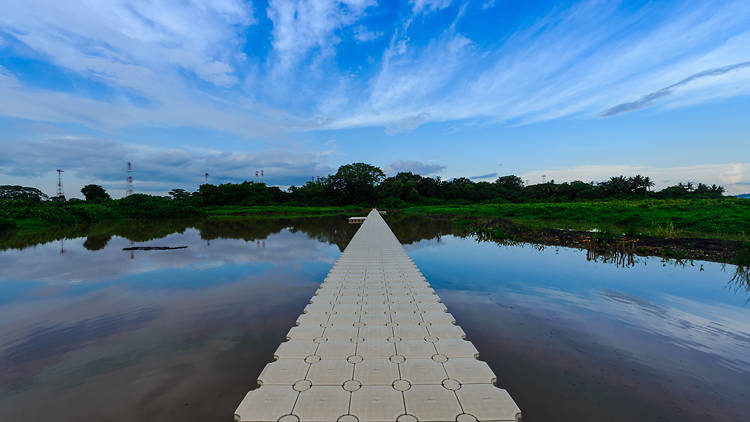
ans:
(625, 201)
(11, 192)
(95, 193)
(29, 214)
(663, 218)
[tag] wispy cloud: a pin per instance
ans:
(650, 98)
(124, 42)
(323, 64)
(363, 34)
(572, 62)
(484, 176)
(430, 5)
(302, 25)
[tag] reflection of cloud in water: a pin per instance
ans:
(45, 263)
(720, 330)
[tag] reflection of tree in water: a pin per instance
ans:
(334, 230)
(132, 230)
(740, 280)
(412, 229)
(622, 254)
(96, 242)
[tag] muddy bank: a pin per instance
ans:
(607, 244)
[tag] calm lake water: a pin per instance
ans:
(89, 332)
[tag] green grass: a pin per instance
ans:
(27, 218)
(656, 217)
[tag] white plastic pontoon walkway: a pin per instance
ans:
(376, 345)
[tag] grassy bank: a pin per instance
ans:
(22, 217)
(724, 217)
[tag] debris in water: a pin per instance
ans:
(153, 248)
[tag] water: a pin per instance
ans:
(96, 333)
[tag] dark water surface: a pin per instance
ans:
(97, 334)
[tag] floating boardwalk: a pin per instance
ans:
(376, 345)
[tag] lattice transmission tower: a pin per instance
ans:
(129, 190)
(60, 191)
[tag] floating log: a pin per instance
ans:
(153, 248)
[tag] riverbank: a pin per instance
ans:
(695, 229)
(608, 245)
(723, 218)
(692, 229)
(23, 218)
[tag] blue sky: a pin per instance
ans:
(570, 90)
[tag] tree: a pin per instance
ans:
(509, 187)
(179, 194)
(95, 193)
(355, 183)
(22, 192)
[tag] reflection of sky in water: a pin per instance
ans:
(80, 271)
(684, 306)
(96, 335)
(168, 326)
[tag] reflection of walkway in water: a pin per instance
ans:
(376, 344)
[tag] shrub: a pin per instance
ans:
(7, 224)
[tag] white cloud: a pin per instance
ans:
(735, 177)
(177, 109)
(577, 62)
(488, 4)
(124, 41)
(430, 5)
(171, 63)
(300, 26)
(363, 34)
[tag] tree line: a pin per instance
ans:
(367, 185)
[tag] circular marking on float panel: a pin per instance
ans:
(397, 359)
(440, 358)
(302, 385)
(312, 358)
(401, 385)
(355, 359)
(451, 384)
(465, 417)
(352, 385)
